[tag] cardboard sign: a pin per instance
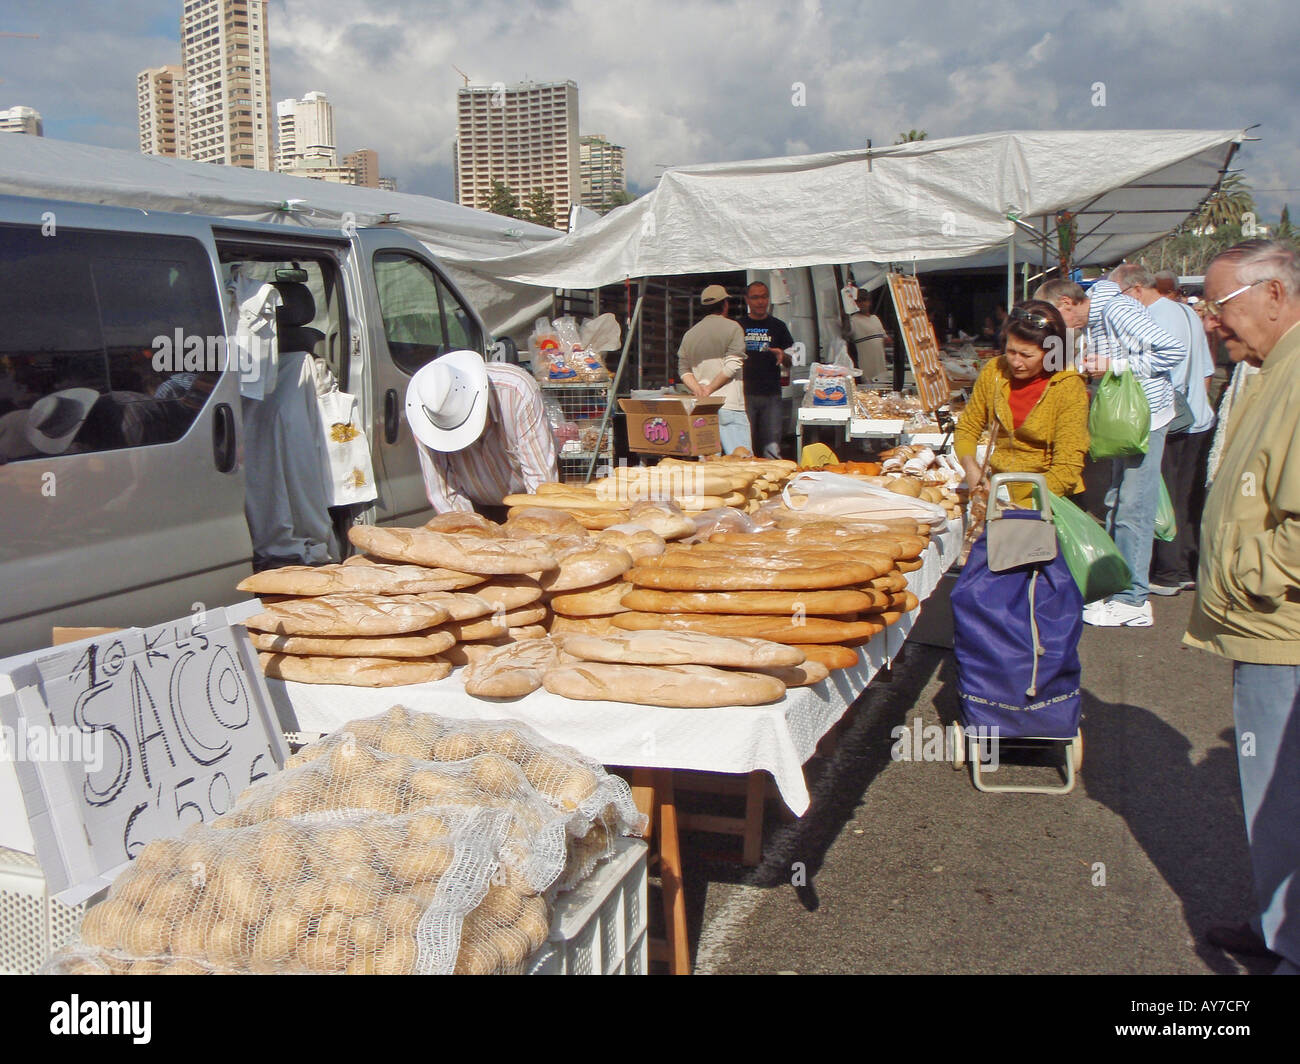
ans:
(132, 736)
(932, 383)
(677, 425)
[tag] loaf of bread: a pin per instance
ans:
(458, 521)
(663, 518)
(463, 552)
(637, 541)
(589, 519)
(416, 645)
(599, 601)
(310, 580)
(459, 606)
(349, 615)
(803, 675)
(353, 672)
(539, 522)
(779, 629)
(510, 671)
(562, 625)
(680, 648)
(836, 601)
(586, 568)
(833, 657)
(510, 592)
(687, 686)
(752, 578)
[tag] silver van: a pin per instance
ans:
(122, 486)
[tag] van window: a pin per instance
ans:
(93, 352)
(422, 318)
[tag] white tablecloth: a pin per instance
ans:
(779, 737)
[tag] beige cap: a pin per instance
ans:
(715, 293)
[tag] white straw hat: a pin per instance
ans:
(447, 401)
(55, 419)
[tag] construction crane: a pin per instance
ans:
(461, 73)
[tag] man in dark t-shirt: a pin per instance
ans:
(766, 342)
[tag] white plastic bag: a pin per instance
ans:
(818, 494)
(348, 469)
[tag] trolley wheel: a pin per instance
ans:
(1076, 750)
(959, 747)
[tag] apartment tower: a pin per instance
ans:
(22, 120)
(602, 178)
(226, 54)
(164, 117)
(525, 136)
(365, 164)
(306, 132)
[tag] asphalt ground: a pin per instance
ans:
(904, 867)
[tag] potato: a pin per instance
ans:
(406, 743)
(396, 957)
(322, 953)
(145, 968)
(278, 935)
(400, 915)
(494, 774)
(513, 947)
(349, 898)
(508, 743)
(428, 786)
(188, 937)
(135, 887)
(501, 904)
(366, 933)
(158, 856)
(240, 894)
(346, 846)
(227, 944)
(534, 920)
(478, 957)
(420, 864)
(105, 924)
(184, 967)
(309, 896)
(578, 785)
(171, 899)
(457, 746)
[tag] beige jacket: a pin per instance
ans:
(711, 346)
(1248, 586)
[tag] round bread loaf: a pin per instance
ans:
(538, 521)
(417, 645)
(587, 568)
(464, 521)
(687, 686)
(349, 615)
(510, 592)
(462, 552)
(510, 671)
(353, 672)
(680, 648)
(459, 607)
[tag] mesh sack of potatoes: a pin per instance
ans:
(340, 773)
(594, 802)
(363, 893)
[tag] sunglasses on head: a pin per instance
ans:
(1030, 317)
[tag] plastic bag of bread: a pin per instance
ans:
(835, 495)
(721, 519)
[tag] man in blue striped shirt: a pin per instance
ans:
(1119, 330)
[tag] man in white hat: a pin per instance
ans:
(481, 432)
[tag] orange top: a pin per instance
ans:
(1024, 397)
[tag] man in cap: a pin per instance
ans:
(1248, 583)
(481, 432)
(767, 339)
(711, 360)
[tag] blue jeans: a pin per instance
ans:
(1266, 710)
(733, 430)
(1131, 512)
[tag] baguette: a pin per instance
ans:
(794, 578)
(463, 552)
(563, 502)
(833, 657)
(681, 648)
(805, 675)
(373, 579)
(349, 615)
(778, 629)
(685, 686)
(353, 672)
(416, 645)
(762, 547)
(814, 603)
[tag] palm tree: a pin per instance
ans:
(910, 135)
(1226, 204)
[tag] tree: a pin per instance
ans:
(539, 208)
(502, 201)
(910, 135)
(1285, 230)
(1226, 204)
(619, 198)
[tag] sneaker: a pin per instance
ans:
(1121, 615)
(1240, 939)
(1164, 589)
(1094, 609)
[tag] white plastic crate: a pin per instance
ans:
(32, 924)
(600, 926)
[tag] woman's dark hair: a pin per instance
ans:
(1034, 322)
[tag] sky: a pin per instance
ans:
(703, 81)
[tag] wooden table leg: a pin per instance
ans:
(670, 875)
(755, 800)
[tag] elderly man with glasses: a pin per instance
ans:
(1119, 329)
(1248, 584)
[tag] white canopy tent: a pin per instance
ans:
(933, 203)
(36, 166)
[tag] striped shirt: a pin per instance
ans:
(1120, 328)
(515, 454)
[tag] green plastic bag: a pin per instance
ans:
(1120, 419)
(1166, 526)
(1095, 562)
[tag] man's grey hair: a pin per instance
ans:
(1052, 291)
(1264, 260)
(1131, 275)
(1166, 282)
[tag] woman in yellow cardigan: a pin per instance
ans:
(1039, 401)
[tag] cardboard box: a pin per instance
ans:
(677, 425)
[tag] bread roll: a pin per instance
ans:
(373, 579)
(833, 657)
(349, 615)
(819, 603)
(688, 686)
(779, 629)
(463, 552)
(680, 648)
(510, 671)
(599, 601)
(417, 645)
(353, 672)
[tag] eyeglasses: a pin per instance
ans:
(1214, 307)
(1030, 317)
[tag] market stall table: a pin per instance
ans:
(656, 740)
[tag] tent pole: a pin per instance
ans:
(1011, 269)
(618, 375)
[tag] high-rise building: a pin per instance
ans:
(306, 131)
(22, 120)
(388, 184)
(525, 136)
(226, 54)
(601, 176)
(365, 162)
(164, 117)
